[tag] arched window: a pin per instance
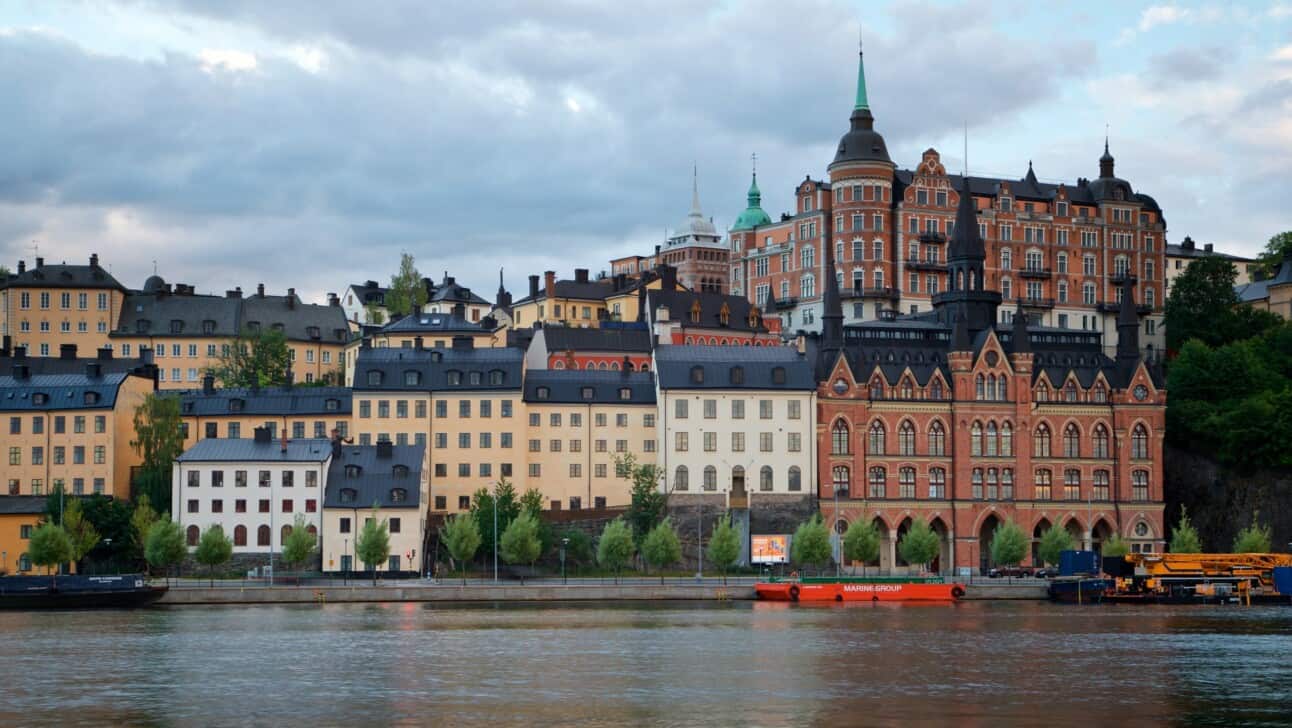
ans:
(975, 480)
(1007, 484)
(935, 389)
(875, 445)
(765, 478)
(1070, 392)
(284, 533)
(841, 479)
(906, 438)
(937, 439)
(993, 484)
(710, 477)
(262, 536)
(1042, 393)
(975, 439)
(1099, 394)
(1071, 441)
(680, 478)
(906, 483)
(193, 533)
(1006, 440)
(839, 438)
(1101, 482)
(876, 388)
(878, 478)
(239, 535)
(1139, 485)
(1042, 486)
(1071, 484)
(937, 483)
(796, 478)
(1100, 441)
(908, 391)
(992, 439)
(1000, 388)
(1139, 442)
(980, 387)
(1041, 441)
(991, 387)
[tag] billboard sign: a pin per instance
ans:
(769, 548)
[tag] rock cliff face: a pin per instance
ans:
(1221, 499)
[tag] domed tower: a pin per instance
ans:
(696, 250)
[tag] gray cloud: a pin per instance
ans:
(1188, 64)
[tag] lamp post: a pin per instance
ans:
(495, 532)
(107, 544)
(834, 530)
(564, 542)
(345, 556)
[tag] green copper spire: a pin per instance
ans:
(862, 103)
(753, 216)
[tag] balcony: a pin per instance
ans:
(1037, 273)
(932, 238)
(782, 304)
(1030, 302)
(863, 292)
(1114, 307)
(933, 265)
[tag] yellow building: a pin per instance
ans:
(70, 430)
(1178, 258)
(1270, 294)
(231, 413)
(438, 331)
(19, 516)
(47, 306)
(391, 478)
(579, 422)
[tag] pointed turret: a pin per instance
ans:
(503, 298)
(753, 216)
(966, 244)
(1021, 340)
(966, 295)
(1031, 176)
(862, 143)
(1106, 162)
(1128, 323)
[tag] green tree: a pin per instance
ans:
(255, 359)
(50, 547)
(1255, 539)
(80, 531)
(724, 546)
(299, 544)
(373, 544)
(164, 546)
(374, 314)
(578, 547)
(661, 547)
(646, 505)
(461, 535)
(159, 439)
(1054, 541)
(861, 542)
(920, 544)
(1202, 305)
(1008, 544)
(213, 549)
(141, 519)
(407, 291)
(111, 518)
(520, 543)
(1114, 546)
(615, 548)
(811, 545)
(1184, 537)
(1276, 250)
(531, 502)
(482, 506)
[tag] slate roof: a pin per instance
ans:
(592, 290)
(434, 370)
(674, 366)
(24, 505)
(571, 338)
(62, 276)
(77, 365)
(679, 305)
(153, 314)
(1083, 192)
(567, 386)
(434, 323)
(268, 401)
(1258, 290)
(450, 291)
(1187, 249)
(369, 292)
(247, 450)
(63, 392)
(296, 319)
(375, 478)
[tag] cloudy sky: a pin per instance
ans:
(306, 144)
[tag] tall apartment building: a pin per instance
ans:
(50, 305)
(1060, 250)
(233, 413)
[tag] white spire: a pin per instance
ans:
(695, 192)
(695, 223)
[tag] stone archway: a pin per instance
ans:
(941, 563)
(900, 534)
(1099, 534)
(885, 559)
(1077, 532)
(985, 535)
(1042, 526)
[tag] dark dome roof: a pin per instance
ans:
(862, 143)
(1111, 188)
(154, 284)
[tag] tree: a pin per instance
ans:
(578, 546)
(111, 518)
(1202, 305)
(1184, 537)
(920, 544)
(1255, 539)
(1276, 250)
(1008, 544)
(615, 548)
(811, 545)
(159, 439)
(257, 358)
(1053, 542)
(482, 505)
(646, 506)
(724, 545)
(461, 535)
(213, 549)
(1114, 546)
(531, 502)
(299, 544)
(374, 314)
(164, 546)
(80, 532)
(861, 542)
(141, 519)
(50, 547)
(407, 291)
(520, 543)
(373, 544)
(661, 547)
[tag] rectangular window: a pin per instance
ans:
(765, 442)
(464, 470)
(383, 409)
(464, 408)
(795, 442)
(765, 409)
(441, 408)
(680, 442)
(737, 442)
(365, 409)
(710, 442)
(265, 478)
(680, 409)
(78, 455)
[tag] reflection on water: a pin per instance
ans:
(661, 664)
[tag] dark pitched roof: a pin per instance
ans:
(247, 450)
(734, 367)
(680, 305)
(26, 505)
(433, 370)
(450, 291)
(570, 386)
(370, 293)
(167, 314)
(73, 365)
(268, 401)
(570, 338)
(359, 477)
(299, 321)
(434, 323)
(63, 276)
(1188, 249)
(592, 290)
(59, 392)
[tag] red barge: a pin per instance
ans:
(846, 589)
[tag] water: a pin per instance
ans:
(655, 664)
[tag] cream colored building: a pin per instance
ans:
(1272, 294)
(300, 412)
(389, 477)
(1178, 258)
(47, 306)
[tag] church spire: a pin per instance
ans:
(862, 102)
(695, 192)
(1106, 161)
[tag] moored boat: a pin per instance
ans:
(846, 589)
(1079, 589)
(78, 592)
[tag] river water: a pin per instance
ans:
(654, 664)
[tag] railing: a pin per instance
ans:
(932, 238)
(1030, 302)
(863, 292)
(917, 264)
(1114, 307)
(1031, 272)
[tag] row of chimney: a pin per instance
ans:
(40, 263)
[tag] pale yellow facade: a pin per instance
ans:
(43, 319)
(183, 360)
(342, 525)
(571, 450)
(15, 539)
(319, 425)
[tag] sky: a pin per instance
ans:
(305, 144)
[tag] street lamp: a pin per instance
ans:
(564, 542)
(834, 527)
(495, 532)
(345, 556)
(107, 544)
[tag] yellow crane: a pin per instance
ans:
(1199, 575)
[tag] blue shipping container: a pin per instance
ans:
(1283, 580)
(1072, 563)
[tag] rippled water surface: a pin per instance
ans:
(658, 664)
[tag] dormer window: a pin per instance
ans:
(398, 495)
(188, 407)
(412, 378)
(349, 495)
(176, 326)
(339, 333)
(778, 375)
(697, 375)
(374, 378)
(253, 327)
(237, 405)
(278, 326)
(625, 393)
(724, 315)
(400, 471)
(39, 398)
(312, 332)
(876, 388)
(587, 392)
(737, 375)
(695, 311)
(495, 377)
(332, 405)
(352, 471)
(208, 327)
(142, 326)
(453, 377)
(542, 393)
(475, 378)
(753, 318)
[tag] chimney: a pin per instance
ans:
(581, 275)
(93, 370)
(94, 259)
(418, 344)
(549, 283)
(40, 262)
(260, 290)
(21, 372)
(235, 293)
(333, 299)
(19, 353)
(291, 298)
(1209, 247)
(800, 344)
(1187, 244)
(449, 280)
(668, 277)
(385, 449)
(460, 310)
(284, 440)
(67, 351)
(533, 283)
(463, 343)
(262, 435)
(208, 384)
(22, 266)
(105, 353)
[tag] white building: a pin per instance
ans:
(253, 488)
(736, 419)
